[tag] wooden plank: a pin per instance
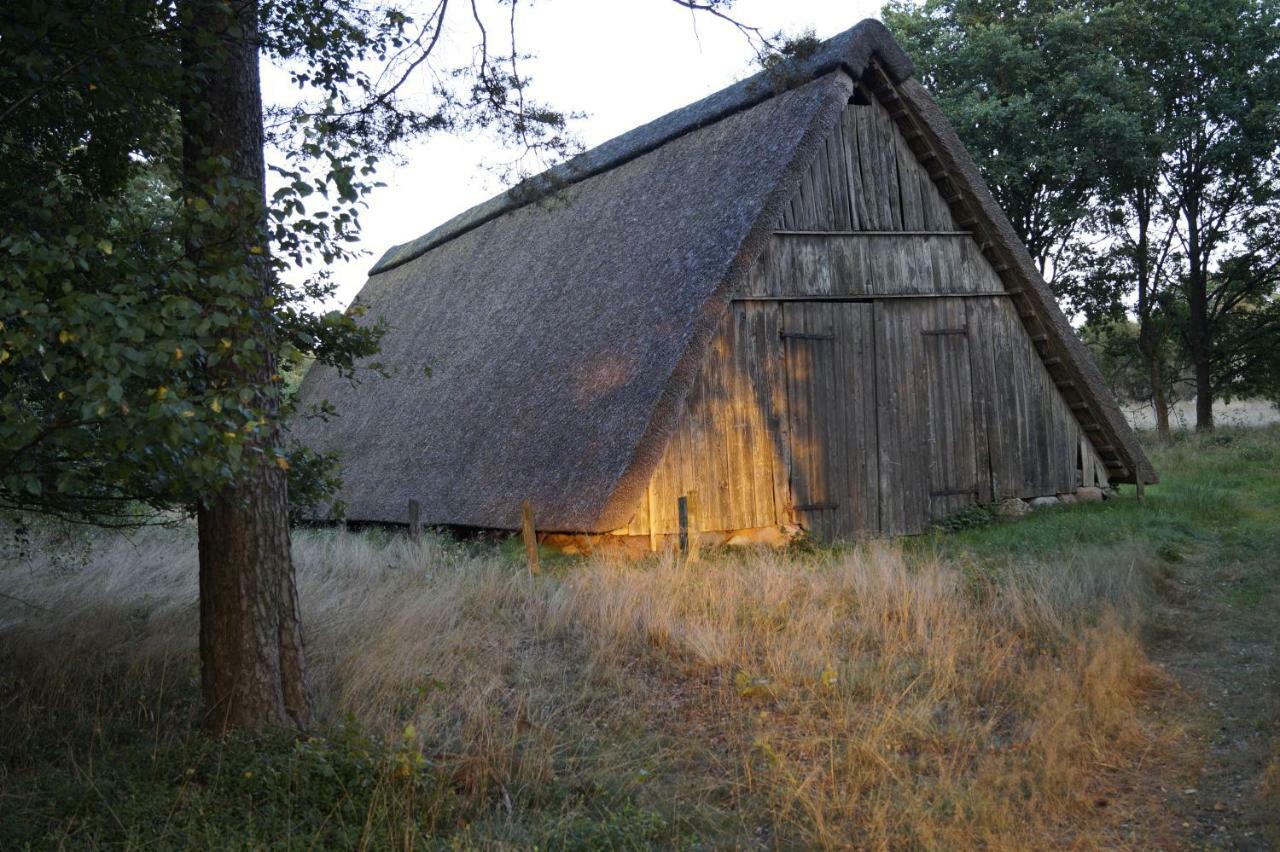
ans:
(727, 440)
(706, 462)
(840, 264)
(953, 454)
(835, 232)
(787, 219)
(1032, 430)
(682, 513)
(716, 483)
(859, 214)
(874, 184)
(901, 418)
(931, 209)
(837, 179)
(754, 412)
(879, 297)
(653, 530)
(856, 395)
(996, 379)
(848, 258)
(1086, 463)
(770, 355)
(1093, 472)
(530, 538)
(1099, 472)
(887, 163)
(744, 421)
(415, 521)
(819, 180)
(690, 526)
(982, 372)
(913, 205)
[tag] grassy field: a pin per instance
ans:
(1098, 675)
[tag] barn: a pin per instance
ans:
(795, 300)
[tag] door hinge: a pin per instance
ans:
(805, 335)
(815, 507)
(964, 329)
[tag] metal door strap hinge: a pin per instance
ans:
(804, 335)
(807, 335)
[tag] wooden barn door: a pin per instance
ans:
(932, 441)
(831, 405)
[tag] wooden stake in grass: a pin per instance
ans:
(1141, 487)
(682, 516)
(415, 521)
(530, 537)
(687, 509)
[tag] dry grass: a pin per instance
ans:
(868, 697)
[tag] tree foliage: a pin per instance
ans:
(128, 367)
(114, 344)
(1032, 90)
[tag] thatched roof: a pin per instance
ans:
(562, 330)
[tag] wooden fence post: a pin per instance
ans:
(687, 511)
(682, 516)
(415, 521)
(530, 537)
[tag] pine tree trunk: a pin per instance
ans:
(251, 649)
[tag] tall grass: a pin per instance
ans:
(872, 697)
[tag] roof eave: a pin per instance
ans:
(995, 228)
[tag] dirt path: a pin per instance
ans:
(1218, 636)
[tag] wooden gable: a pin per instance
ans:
(872, 374)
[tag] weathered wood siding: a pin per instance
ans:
(866, 179)
(1032, 434)
(867, 220)
(728, 444)
(872, 376)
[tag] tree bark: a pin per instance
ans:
(1159, 402)
(1198, 317)
(251, 652)
(251, 649)
(1148, 336)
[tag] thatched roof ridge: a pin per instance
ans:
(849, 51)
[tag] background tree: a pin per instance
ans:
(1131, 143)
(1135, 259)
(1214, 73)
(1031, 87)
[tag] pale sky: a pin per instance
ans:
(621, 62)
